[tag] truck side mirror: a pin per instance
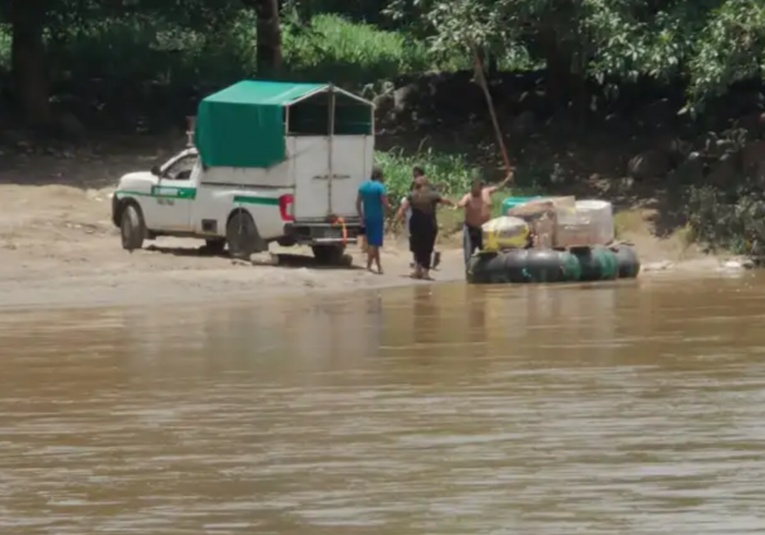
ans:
(155, 170)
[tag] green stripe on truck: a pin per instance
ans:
(173, 192)
(254, 199)
(163, 192)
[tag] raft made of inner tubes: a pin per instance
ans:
(595, 263)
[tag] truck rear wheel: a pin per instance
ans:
(241, 235)
(328, 254)
(132, 228)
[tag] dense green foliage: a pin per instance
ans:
(142, 50)
(709, 43)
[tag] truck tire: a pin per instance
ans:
(328, 255)
(216, 246)
(132, 228)
(241, 235)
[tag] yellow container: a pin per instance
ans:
(504, 232)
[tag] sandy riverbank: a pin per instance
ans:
(58, 247)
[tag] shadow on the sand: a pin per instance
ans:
(285, 260)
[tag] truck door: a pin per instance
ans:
(174, 194)
(315, 194)
(352, 161)
(310, 155)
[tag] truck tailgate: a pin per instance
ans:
(315, 195)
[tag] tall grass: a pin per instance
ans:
(450, 173)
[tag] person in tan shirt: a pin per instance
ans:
(477, 206)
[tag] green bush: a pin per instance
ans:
(728, 220)
(330, 48)
(144, 50)
(450, 173)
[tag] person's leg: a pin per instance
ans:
(375, 230)
(369, 243)
(377, 261)
(413, 264)
(475, 236)
(477, 239)
(381, 226)
(417, 250)
(434, 256)
(429, 240)
(423, 260)
(467, 244)
(362, 239)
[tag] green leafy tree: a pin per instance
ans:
(34, 23)
(711, 43)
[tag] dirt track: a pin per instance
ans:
(58, 247)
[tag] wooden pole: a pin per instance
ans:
(481, 77)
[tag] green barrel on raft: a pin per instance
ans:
(550, 265)
(597, 263)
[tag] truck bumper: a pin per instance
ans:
(309, 233)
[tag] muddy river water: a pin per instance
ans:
(633, 408)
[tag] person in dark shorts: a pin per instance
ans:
(418, 173)
(423, 225)
(477, 206)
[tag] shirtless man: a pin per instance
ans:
(477, 205)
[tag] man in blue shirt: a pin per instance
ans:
(371, 203)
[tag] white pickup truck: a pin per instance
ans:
(272, 162)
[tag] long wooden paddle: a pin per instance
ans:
(481, 78)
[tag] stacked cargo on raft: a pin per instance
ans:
(552, 239)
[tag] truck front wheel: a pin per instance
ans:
(132, 228)
(241, 235)
(328, 254)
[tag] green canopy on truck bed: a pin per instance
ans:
(245, 125)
